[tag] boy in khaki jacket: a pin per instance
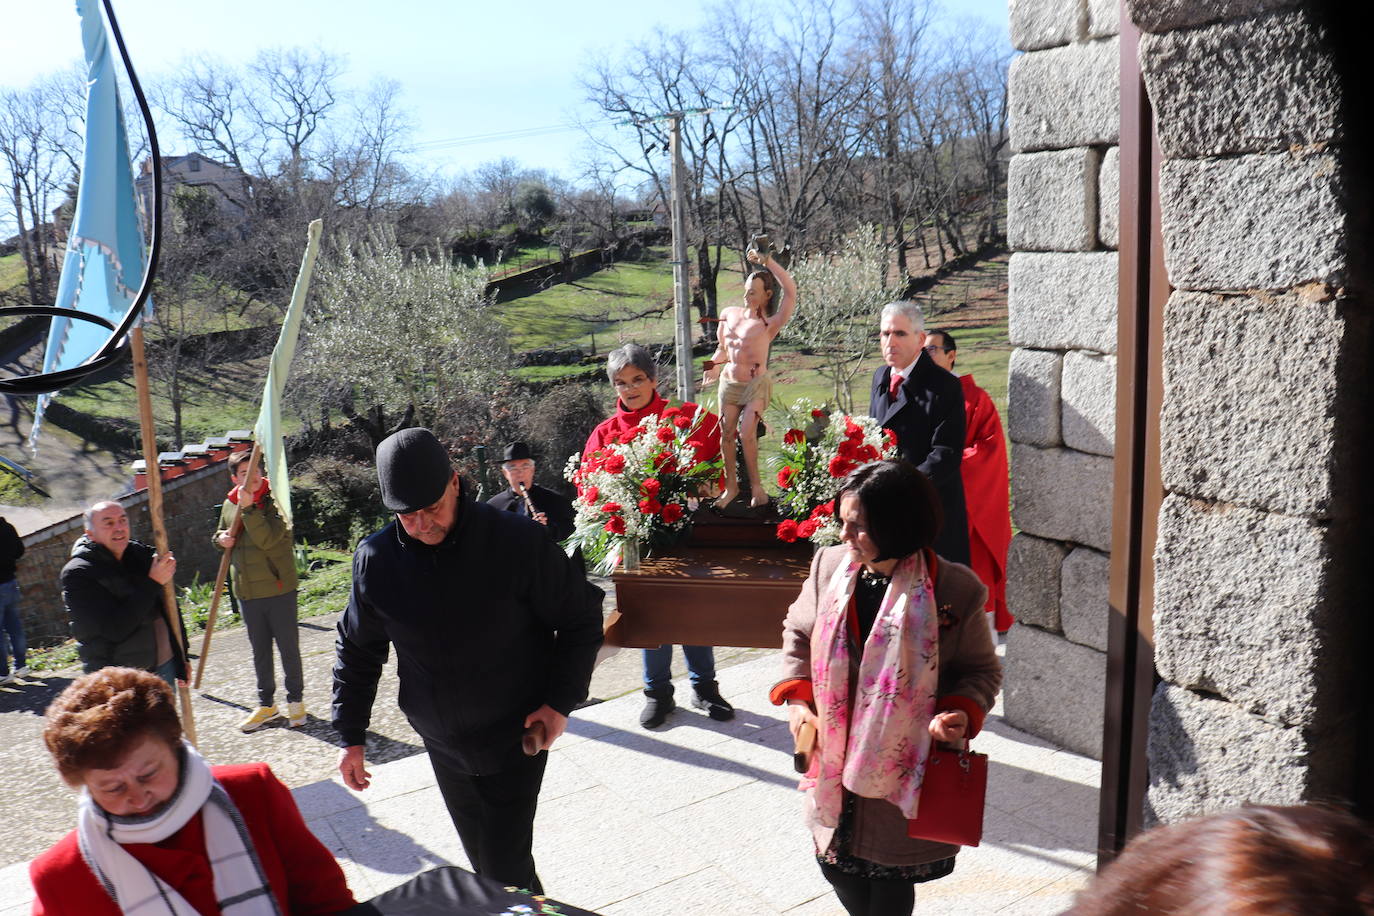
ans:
(264, 574)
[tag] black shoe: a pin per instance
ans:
(707, 697)
(659, 704)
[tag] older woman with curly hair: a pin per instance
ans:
(160, 831)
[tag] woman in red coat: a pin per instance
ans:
(160, 831)
(986, 483)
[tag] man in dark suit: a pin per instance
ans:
(552, 510)
(924, 405)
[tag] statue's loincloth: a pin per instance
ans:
(758, 388)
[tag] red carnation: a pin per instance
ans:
(590, 495)
(848, 450)
(614, 464)
(891, 437)
(665, 462)
(682, 422)
(824, 510)
(610, 507)
(631, 435)
(793, 436)
(664, 434)
(688, 410)
(807, 528)
(671, 412)
(650, 486)
(650, 506)
(869, 453)
(787, 530)
(817, 414)
(852, 429)
(785, 477)
(839, 467)
(615, 525)
(672, 512)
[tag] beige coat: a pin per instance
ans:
(968, 667)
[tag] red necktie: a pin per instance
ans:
(893, 384)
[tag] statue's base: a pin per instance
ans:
(730, 584)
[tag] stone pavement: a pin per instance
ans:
(698, 817)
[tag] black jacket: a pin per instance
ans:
(556, 506)
(928, 418)
(113, 606)
(488, 625)
(12, 548)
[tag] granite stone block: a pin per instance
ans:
(1247, 607)
(1038, 24)
(1033, 400)
(1052, 200)
(1103, 20)
(1083, 609)
(1253, 85)
(1262, 221)
(1054, 689)
(1062, 494)
(1206, 755)
(1065, 97)
(1276, 379)
(1108, 199)
(1088, 396)
(1063, 301)
(1033, 580)
(1163, 15)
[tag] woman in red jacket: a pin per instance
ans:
(159, 831)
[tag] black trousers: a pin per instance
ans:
(494, 815)
(871, 896)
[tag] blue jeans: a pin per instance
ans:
(11, 626)
(168, 672)
(658, 666)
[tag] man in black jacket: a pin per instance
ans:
(552, 510)
(924, 405)
(11, 624)
(112, 587)
(496, 632)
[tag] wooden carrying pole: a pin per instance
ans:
(235, 529)
(154, 475)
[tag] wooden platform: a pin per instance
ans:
(729, 585)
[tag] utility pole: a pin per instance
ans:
(681, 300)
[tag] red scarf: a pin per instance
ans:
(233, 496)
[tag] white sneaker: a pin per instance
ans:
(22, 672)
(7, 680)
(295, 714)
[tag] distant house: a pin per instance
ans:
(228, 185)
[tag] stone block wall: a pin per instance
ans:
(1263, 532)
(1062, 227)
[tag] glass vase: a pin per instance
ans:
(629, 555)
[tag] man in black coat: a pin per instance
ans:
(496, 633)
(924, 405)
(552, 510)
(113, 589)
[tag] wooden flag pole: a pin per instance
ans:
(235, 529)
(154, 475)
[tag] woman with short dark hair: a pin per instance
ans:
(885, 652)
(160, 831)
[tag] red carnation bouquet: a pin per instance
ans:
(634, 491)
(817, 453)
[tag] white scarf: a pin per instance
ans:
(240, 885)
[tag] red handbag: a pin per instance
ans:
(952, 796)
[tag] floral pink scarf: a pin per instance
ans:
(875, 746)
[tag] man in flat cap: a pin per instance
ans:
(496, 632)
(524, 497)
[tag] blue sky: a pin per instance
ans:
(467, 69)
